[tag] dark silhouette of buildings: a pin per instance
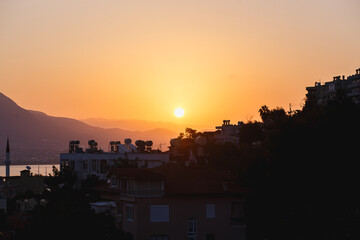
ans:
(347, 87)
(171, 203)
(95, 161)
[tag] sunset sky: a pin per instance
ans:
(142, 59)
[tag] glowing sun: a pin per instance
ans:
(179, 112)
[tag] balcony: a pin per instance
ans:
(138, 188)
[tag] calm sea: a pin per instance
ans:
(35, 169)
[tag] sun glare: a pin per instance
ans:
(179, 112)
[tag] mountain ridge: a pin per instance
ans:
(36, 136)
(138, 125)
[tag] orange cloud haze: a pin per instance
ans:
(142, 59)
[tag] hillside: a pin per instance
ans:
(36, 137)
(138, 125)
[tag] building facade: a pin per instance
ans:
(97, 162)
(229, 133)
(159, 204)
(349, 87)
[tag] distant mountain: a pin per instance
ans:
(136, 125)
(37, 137)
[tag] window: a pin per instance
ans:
(155, 187)
(159, 237)
(118, 208)
(210, 210)
(84, 165)
(64, 163)
(93, 165)
(72, 164)
(130, 187)
(122, 185)
(126, 186)
(130, 212)
(113, 181)
(237, 213)
(159, 213)
(103, 166)
(142, 187)
(192, 228)
(149, 187)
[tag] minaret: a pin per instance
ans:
(7, 160)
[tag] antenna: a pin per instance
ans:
(160, 145)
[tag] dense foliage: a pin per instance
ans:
(302, 168)
(312, 183)
(67, 213)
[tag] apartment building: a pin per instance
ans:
(349, 87)
(169, 203)
(94, 161)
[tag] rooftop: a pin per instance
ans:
(186, 181)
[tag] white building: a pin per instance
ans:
(228, 132)
(97, 162)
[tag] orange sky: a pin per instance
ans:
(141, 59)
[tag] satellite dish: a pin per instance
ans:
(139, 143)
(28, 167)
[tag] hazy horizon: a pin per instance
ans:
(141, 60)
(142, 125)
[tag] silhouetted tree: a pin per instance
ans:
(190, 133)
(310, 154)
(68, 215)
(251, 132)
(264, 112)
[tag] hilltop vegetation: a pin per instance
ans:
(302, 167)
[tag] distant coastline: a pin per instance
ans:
(27, 162)
(21, 164)
(41, 169)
